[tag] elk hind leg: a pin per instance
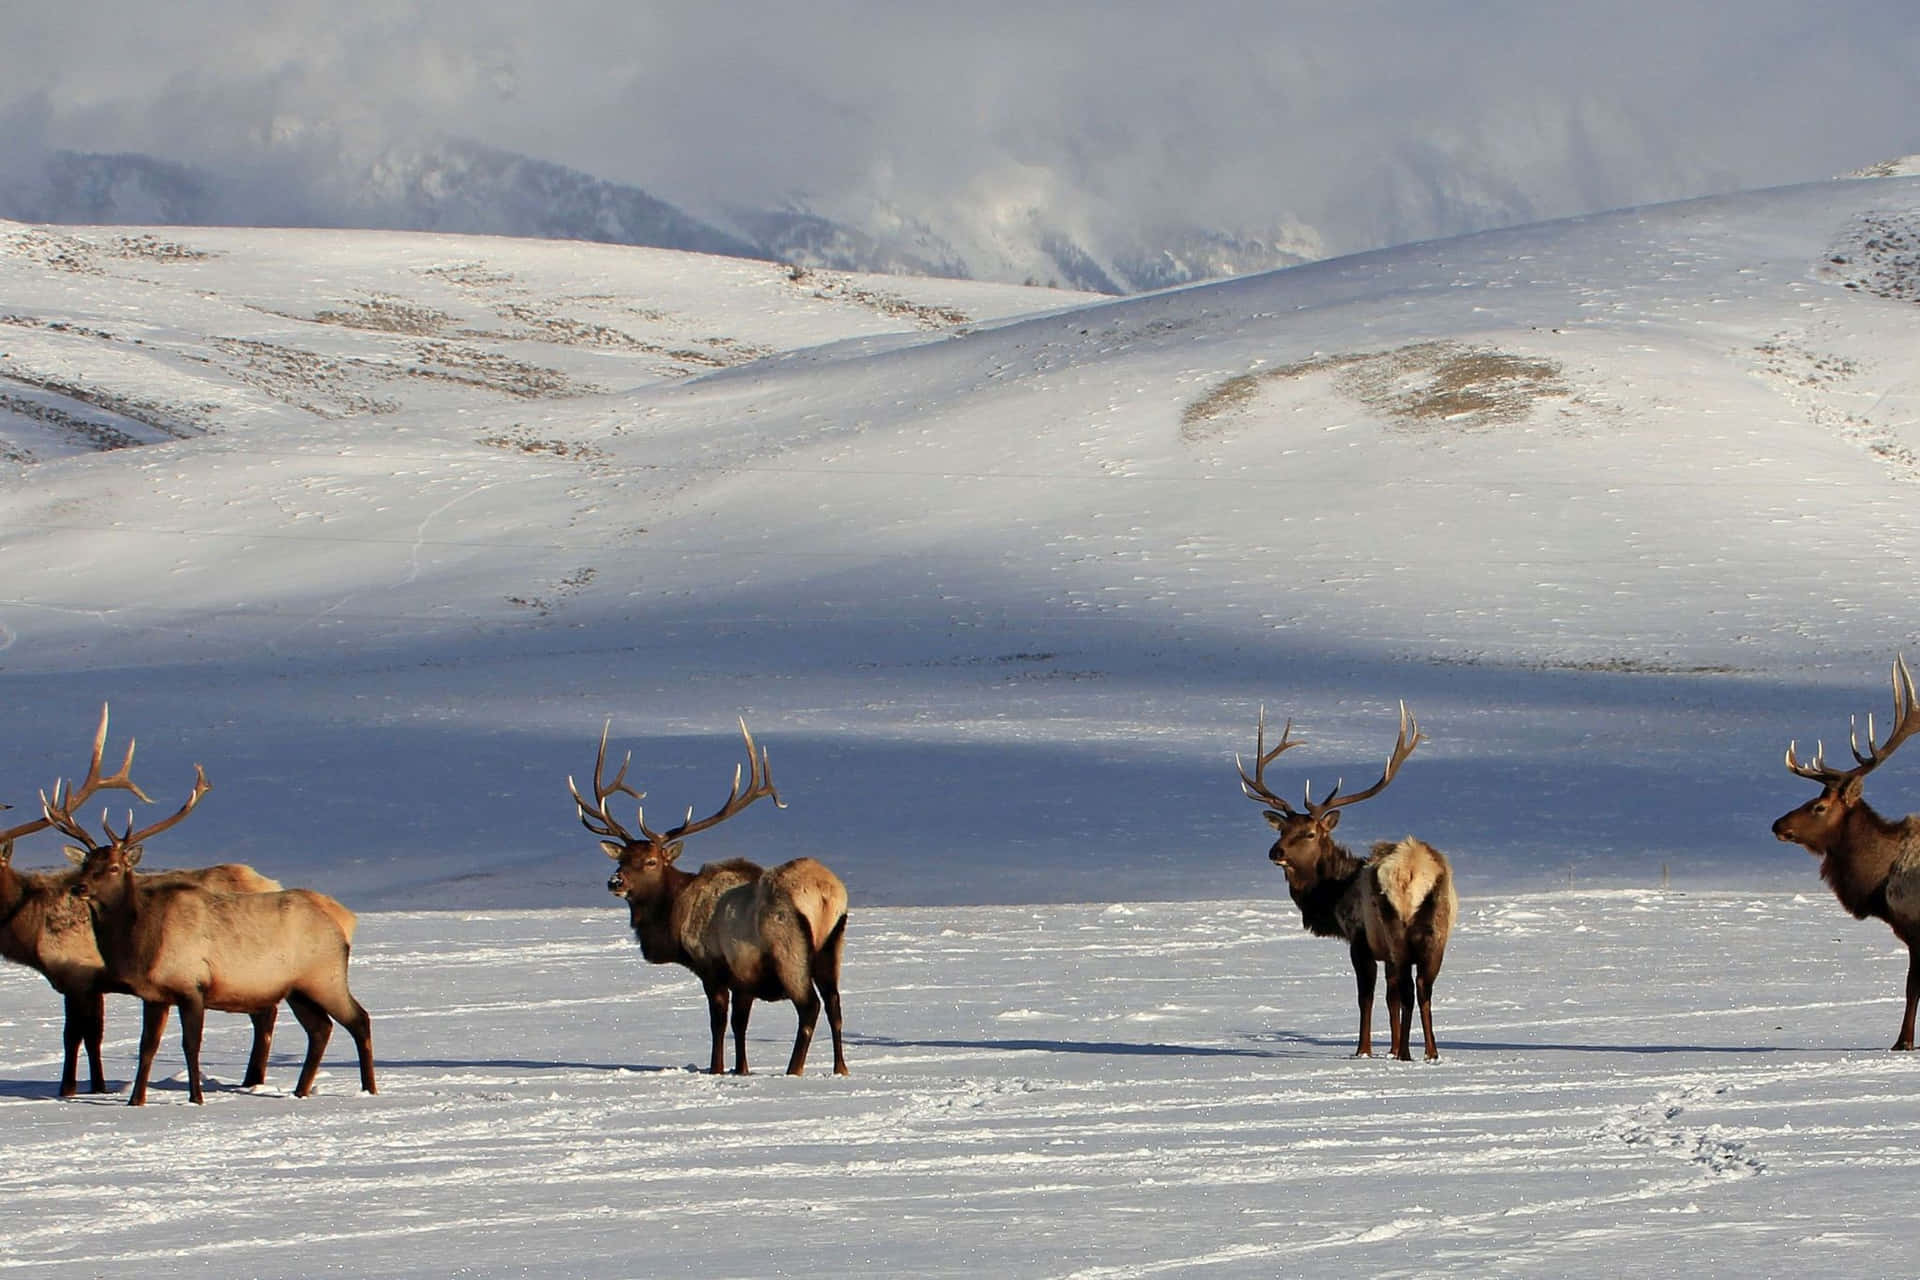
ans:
(340, 1005)
(1400, 1007)
(262, 1045)
(826, 979)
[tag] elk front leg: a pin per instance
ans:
(75, 1031)
(193, 1022)
(1913, 997)
(153, 1022)
(1364, 974)
(717, 1019)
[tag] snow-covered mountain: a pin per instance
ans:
(316, 177)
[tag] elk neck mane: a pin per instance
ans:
(1857, 870)
(1329, 907)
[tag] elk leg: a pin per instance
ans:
(92, 1033)
(1913, 997)
(742, 1010)
(826, 976)
(262, 1044)
(193, 1022)
(830, 997)
(153, 1021)
(319, 1028)
(359, 1025)
(1364, 975)
(1425, 991)
(73, 1032)
(717, 1017)
(809, 1011)
(1399, 1007)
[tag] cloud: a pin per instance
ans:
(1376, 121)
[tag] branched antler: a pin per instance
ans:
(1906, 721)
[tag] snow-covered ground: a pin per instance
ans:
(1632, 1084)
(381, 528)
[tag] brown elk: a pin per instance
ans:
(1872, 865)
(44, 928)
(747, 933)
(1395, 908)
(243, 953)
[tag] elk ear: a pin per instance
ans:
(675, 849)
(1275, 819)
(611, 849)
(75, 854)
(133, 853)
(6, 853)
(1850, 794)
(1329, 820)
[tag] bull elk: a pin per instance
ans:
(189, 946)
(42, 927)
(747, 933)
(1871, 864)
(1394, 908)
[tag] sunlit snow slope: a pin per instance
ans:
(1618, 505)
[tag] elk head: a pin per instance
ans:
(644, 867)
(1819, 825)
(72, 797)
(1306, 835)
(105, 868)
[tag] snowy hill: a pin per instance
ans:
(1616, 504)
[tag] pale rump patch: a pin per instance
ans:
(1407, 873)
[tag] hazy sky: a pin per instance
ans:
(1366, 117)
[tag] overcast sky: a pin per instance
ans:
(1362, 115)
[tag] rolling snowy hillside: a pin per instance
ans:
(1617, 504)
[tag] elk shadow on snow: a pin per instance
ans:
(1543, 1046)
(1117, 1048)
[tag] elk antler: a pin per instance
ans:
(1906, 721)
(131, 838)
(759, 783)
(1402, 748)
(594, 817)
(66, 799)
(1255, 788)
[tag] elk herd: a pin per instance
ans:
(228, 938)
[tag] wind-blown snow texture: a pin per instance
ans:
(381, 528)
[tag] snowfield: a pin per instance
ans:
(1631, 1082)
(381, 529)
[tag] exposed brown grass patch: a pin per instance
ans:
(1424, 385)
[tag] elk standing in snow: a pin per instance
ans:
(1872, 865)
(1396, 907)
(242, 953)
(748, 934)
(44, 928)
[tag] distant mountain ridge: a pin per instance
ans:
(455, 185)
